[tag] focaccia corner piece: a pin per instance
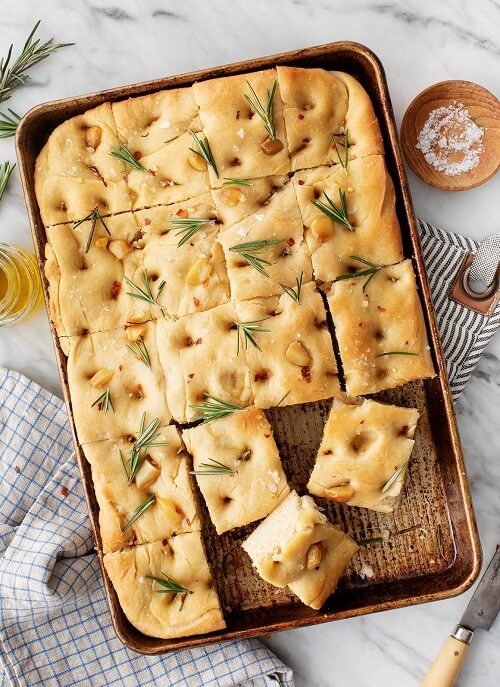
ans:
(292, 359)
(364, 454)
(163, 473)
(267, 249)
(297, 546)
(200, 357)
(380, 330)
(239, 141)
(324, 111)
(371, 213)
(181, 564)
(88, 289)
(112, 386)
(237, 467)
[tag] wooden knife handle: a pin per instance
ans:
(445, 669)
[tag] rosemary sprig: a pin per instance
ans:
(93, 217)
(123, 153)
(294, 292)
(379, 355)
(204, 151)
(344, 142)
(5, 172)
(168, 585)
(283, 398)
(140, 510)
(228, 181)
(104, 401)
(252, 251)
(32, 53)
(144, 293)
(266, 113)
(214, 409)
(213, 467)
(139, 349)
(249, 329)
(370, 271)
(386, 535)
(394, 477)
(8, 123)
(336, 212)
(146, 439)
(188, 227)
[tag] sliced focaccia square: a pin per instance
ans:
(165, 588)
(380, 329)
(200, 357)
(242, 119)
(297, 546)
(238, 198)
(288, 348)
(148, 467)
(328, 116)
(356, 215)
(267, 249)
(87, 266)
(114, 378)
(364, 454)
(237, 467)
(187, 257)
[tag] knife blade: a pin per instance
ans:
(484, 605)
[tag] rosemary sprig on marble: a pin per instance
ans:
(386, 535)
(139, 349)
(139, 511)
(249, 330)
(213, 467)
(214, 409)
(393, 478)
(144, 292)
(146, 439)
(8, 123)
(252, 252)
(336, 212)
(228, 181)
(342, 139)
(13, 75)
(204, 151)
(5, 172)
(123, 154)
(188, 227)
(380, 355)
(370, 271)
(168, 585)
(93, 217)
(104, 402)
(265, 112)
(294, 292)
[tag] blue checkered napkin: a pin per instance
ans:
(55, 627)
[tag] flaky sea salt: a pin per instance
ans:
(450, 140)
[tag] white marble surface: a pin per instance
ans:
(419, 42)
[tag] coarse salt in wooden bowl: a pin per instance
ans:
(450, 135)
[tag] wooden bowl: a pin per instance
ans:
(483, 107)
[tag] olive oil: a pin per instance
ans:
(20, 285)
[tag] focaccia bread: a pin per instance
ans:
(198, 353)
(322, 109)
(370, 201)
(237, 467)
(292, 359)
(297, 546)
(364, 455)
(238, 198)
(380, 330)
(162, 471)
(181, 563)
(240, 143)
(113, 386)
(273, 238)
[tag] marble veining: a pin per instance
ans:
(419, 42)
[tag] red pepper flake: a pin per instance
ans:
(188, 521)
(262, 376)
(301, 182)
(189, 341)
(361, 422)
(267, 435)
(380, 308)
(120, 367)
(115, 289)
(361, 324)
(235, 161)
(147, 221)
(327, 452)
(64, 491)
(191, 375)
(237, 114)
(300, 116)
(181, 213)
(290, 241)
(406, 343)
(137, 155)
(199, 341)
(17, 469)
(306, 373)
(196, 302)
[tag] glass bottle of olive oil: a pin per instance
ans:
(20, 285)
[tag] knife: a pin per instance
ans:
(479, 615)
